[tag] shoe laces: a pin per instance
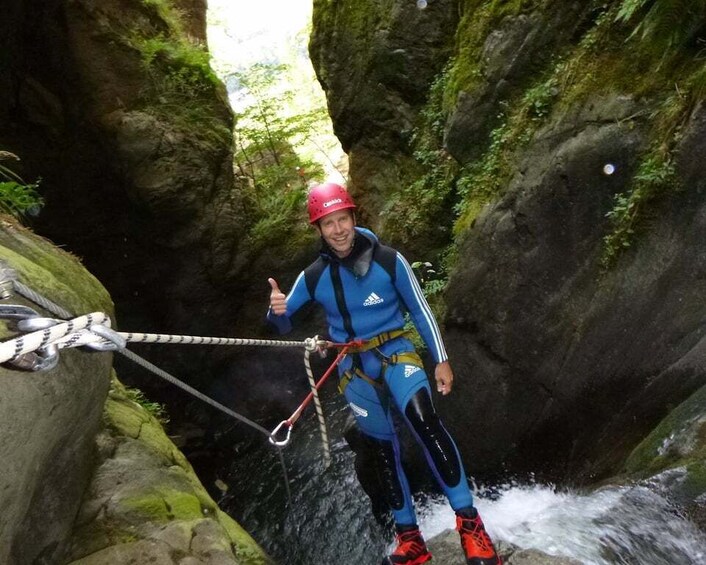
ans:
(475, 540)
(410, 543)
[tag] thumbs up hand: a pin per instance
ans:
(278, 301)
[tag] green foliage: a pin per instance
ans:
(168, 13)
(182, 87)
(538, 100)
(267, 136)
(155, 409)
(664, 25)
(433, 284)
(422, 202)
(17, 197)
(185, 68)
(483, 180)
(655, 176)
(433, 114)
(20, 200)
(696, 84)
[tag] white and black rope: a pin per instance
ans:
(11, 349)
(319, 410)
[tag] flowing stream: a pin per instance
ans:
(329, 519)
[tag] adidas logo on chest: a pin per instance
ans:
(372, 300)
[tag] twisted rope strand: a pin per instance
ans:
(323, 431)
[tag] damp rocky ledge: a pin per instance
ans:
(445, 549)
(145, 504)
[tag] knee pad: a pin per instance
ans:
(440, 447)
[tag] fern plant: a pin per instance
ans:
(17, 198)
(665, 24)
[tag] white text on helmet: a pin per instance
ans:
(332, 202)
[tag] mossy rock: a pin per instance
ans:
(50, 271)
(680, 439)
(164, 505)
(150, 502)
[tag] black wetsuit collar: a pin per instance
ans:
(358, 260)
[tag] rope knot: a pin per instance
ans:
(317, 344)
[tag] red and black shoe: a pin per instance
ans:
(411, 549)
(475, 541)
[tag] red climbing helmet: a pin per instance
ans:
(326, 198)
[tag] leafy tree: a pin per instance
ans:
(269, 125)
(270, 130)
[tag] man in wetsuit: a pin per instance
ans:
(365, 288)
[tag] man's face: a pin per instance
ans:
(337, 229)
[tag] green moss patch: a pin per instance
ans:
(165, 491)
(243, 546)
(478, 21)
(51, 272)
(164, 505)
(679, 440)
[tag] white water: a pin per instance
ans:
(330, 514)
(634, 525)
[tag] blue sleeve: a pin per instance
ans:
(411, 293)
(297, 297)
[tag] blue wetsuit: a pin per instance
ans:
(365, 295)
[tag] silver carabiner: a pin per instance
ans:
(43, 359)
(273, 435)
(27, 320)
(33, 324)
(17, 312)
(113, 340)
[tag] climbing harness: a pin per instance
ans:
(406, 357)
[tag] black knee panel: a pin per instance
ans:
(425, 421)
(386, 470)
